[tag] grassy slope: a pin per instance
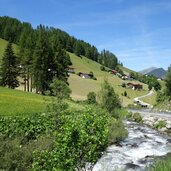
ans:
(3, 44)
(16, 102)
(81, 87)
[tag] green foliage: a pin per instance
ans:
(137, 117)
(150, 86)
(102, 68)
(21, 32)
(29, 127)
(91, 98)
(108, 59)
(161, 96)
(123, 84)
(107, 98)
(16, 102)
(120, 71)
(9, 69)
(162, 164)
(17, 156)
(82, 138)
(60, 89)
(119, 113)
(125, 94)
(160, 124)
(168, 82)
(117, 131)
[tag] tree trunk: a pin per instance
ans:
(28, 80)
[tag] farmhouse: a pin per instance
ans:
(135, 86)
(113, 72)
(85, 75)
(124, 77)
(71, 70)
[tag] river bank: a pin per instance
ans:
(137, 152)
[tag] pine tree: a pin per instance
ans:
(9, 69)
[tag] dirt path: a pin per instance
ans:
(138, 101)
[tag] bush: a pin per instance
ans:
(119, 113)
(91, 98)
(125, 93)
(117, 131)
(14, 156)
(123, 85)
(137, 117)
(82, 138)
(60, 89)
(107, 98)
(160, 124)
(102, 68)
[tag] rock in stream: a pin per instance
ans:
(136, 152)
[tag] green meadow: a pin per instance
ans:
(81, 87)
(16, 102)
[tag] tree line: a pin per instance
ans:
(24, 35)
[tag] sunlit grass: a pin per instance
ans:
(16, 102)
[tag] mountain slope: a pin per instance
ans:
(3, 44)
(146, 71)
(159, 73)
(81, 87)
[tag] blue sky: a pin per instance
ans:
(138, 32)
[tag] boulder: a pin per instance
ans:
(168, 124)
(164, 129)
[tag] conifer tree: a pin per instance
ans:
(9, 69)
(42, 61)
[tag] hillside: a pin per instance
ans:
(81, 87)
(3, 44)
(145, 71)
(16, 102)
(157, 72)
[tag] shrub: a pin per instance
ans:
(91, 98)
(125, 93)
(102, 68)
(60, 89)
(117, 131)
(14, 156)
(81, 139)
(160, 124)
(129, 115)
(137, 117)
(119, 113)
(107, 97)
(123, 84)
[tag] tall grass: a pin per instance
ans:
(162, 165)
(16, 102)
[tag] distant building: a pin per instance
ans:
(71, 70)
(113, 72)
(85, 75)
(135, 86)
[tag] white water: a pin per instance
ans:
(136, 152)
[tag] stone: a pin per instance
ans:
(168, 124)
(164, 129)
